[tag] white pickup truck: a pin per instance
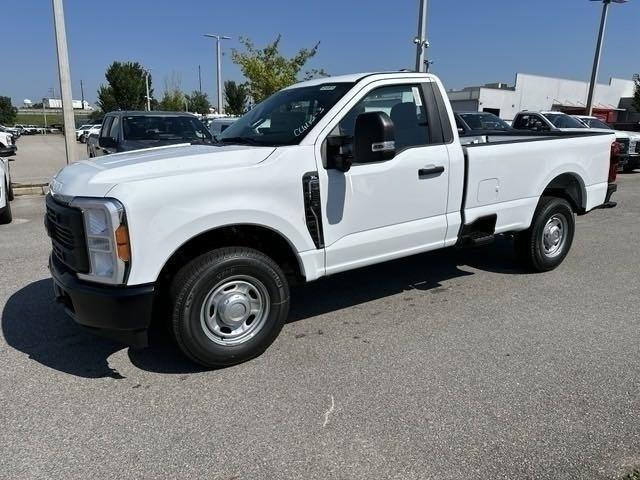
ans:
(324, 176)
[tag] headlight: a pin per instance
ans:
(107, 239)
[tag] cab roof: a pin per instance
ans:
(356, 77)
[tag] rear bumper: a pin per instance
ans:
(120, 313)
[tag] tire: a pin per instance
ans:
(241, 280)
(10, 194)
(628, 169)
(547, 242)
(5, 214)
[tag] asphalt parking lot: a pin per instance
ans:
(39, 157)
(447, 365)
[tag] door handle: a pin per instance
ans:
(423, 172)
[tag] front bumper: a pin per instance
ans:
(120, 313)
(632, 161)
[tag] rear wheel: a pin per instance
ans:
(546, 243)
(229, 305)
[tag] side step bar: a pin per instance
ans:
(478, 233)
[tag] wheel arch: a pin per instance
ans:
(265, 239)
(571, 187)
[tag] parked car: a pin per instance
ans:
(6, 192)
(7, 145)
(126, 131)
(547, 122)
(14, 132)
(322, 177)
(629, 142)
(219, 125)
(81, 130)
(92, 129)
(478, 127)
(26, 129)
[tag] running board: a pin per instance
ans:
(479, 233)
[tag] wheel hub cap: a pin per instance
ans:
(553, 235)
(235, 310)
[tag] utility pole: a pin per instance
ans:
(146, 81)
(82, 93)
(421, 40)
(65, 80)
(219, 67)
(596, 59)
(200, 78)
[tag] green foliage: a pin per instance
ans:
(7, 111)
(172, 101)
(126, 89)
(636, 94)
(198, 102)
(236, 98)
(266, 69)
(635, 474)
(95, 115)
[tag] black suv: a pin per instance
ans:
(124, 131)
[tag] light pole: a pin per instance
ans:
(596, 60)
(146, 81)
(219, 62)
(421, 40)
(65, 80)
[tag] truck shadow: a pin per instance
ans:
(34, 324)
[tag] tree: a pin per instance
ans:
(266, 69)
(173, 99)
(198, 102)
(236, 97)
(126, 89)
(636, 94)
(7, 111)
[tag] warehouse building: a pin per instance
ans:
(533, 92)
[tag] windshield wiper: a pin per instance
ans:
(241, 141)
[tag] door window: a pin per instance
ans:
(106, 126)
(404, 105)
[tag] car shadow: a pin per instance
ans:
(33, 323)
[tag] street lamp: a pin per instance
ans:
(421, 40)
(596, 60)
(219, 62)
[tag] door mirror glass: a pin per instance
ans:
(374, 138)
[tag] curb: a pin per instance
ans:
(30, 189)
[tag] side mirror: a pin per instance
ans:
(107, 142)
(373, 138)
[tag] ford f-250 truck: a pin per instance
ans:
(324, 176)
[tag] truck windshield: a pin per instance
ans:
(158, 127)
(561, 120)
(285, 117)
(484, 121)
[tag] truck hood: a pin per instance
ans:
(95, 177)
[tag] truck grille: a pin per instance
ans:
(624, 145)
(65, 226)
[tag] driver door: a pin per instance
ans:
(388, 209)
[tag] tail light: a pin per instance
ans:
(616, 148)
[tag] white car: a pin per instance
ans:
(81, 131)
(88, 131)
(7, 145)
(548, 121)
(629, 142)
(322, 177)
(6, 192)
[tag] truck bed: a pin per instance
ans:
(513, 193)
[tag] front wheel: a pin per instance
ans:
(229, 305)
(547, 242)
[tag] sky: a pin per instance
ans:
(472, 41)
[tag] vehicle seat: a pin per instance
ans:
(408, 132)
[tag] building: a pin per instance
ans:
(534, 92)
(57, 103)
